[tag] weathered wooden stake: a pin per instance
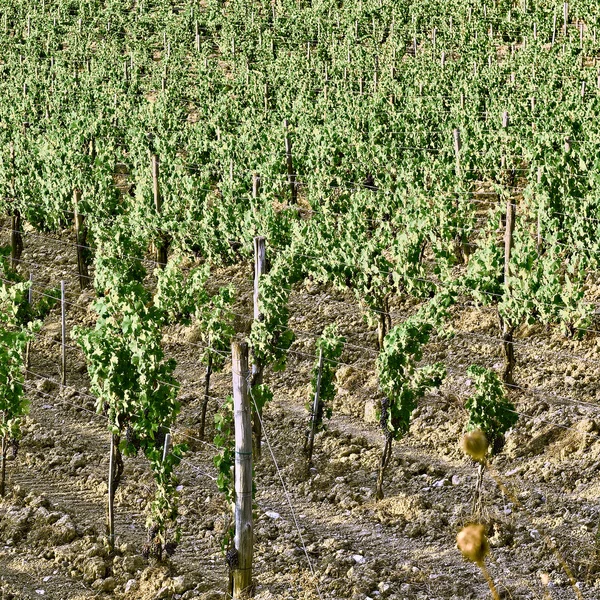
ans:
(260, 268)
(161, 250)
(457, 147)
(28, 346)
(81, 241)
(315, 412)
(507, 328)
(206, 396)
(110, 524)
(375, 73)
(63, 347)
(255, 185)
(290, 166)
(539, 216)
(242, 572)
(508, 239)
(166, 447)
(3, 468)
(16, 238)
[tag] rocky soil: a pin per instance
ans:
(319, 534)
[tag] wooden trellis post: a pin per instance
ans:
(255, 185)
(63, 329)
(457, 147)
(16, 238)
(315, 412)
(260, 268)
(539, 217)
(112, 468)
(81, 241)
(244, 535)
(3, 468)
(290, 166)
(28, 346)
(161, 250)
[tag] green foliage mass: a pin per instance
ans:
(14, 336)
(185, 299)
(270, 338)
(489, 408)
(26, 312)
(401, 380)
(135, 389)
(548, 289)
(331, 344)
(224, 441)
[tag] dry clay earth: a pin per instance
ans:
(331, 539)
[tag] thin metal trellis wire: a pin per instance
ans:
(105, 418)
(63, 271)
(38, 376)
(248, 378)
(35, 290)
(184, 461)
(311, 211)
(243, 316)
(537, 419)
(539, 390)
(523, 414)
(519, 189)
(176, 432)
(40, 335)
(71, 245)
(529, 390)
(438, 283)
(479, 336)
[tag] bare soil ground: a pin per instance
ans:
(52, 522)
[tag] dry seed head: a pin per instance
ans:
(473, 544)
(545, 579)
(475, 444)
